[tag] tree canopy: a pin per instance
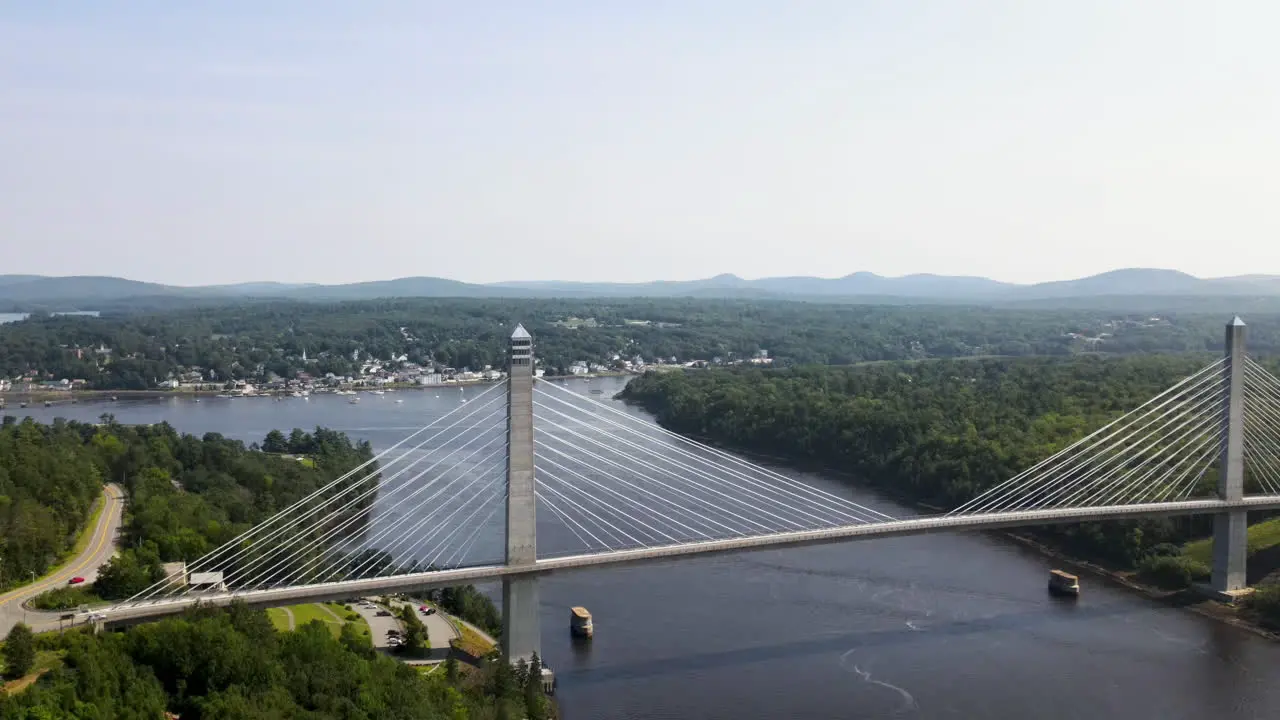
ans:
(256, 340)
(232, 665)
(937, 432)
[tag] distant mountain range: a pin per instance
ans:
(83, 292)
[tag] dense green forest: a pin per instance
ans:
(232, 665)
(471, 605)
(187, 494)
(255, 340)
(49, 479)
(937, 432)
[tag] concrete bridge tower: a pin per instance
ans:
(1230, 529)
(522, 635)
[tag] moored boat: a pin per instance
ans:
(1063, 583)
(580, 622)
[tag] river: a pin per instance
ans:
(942, 626)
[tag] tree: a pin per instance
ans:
(535, 701)
(502, 683)
(19, 651)
(351, 638)
(275, 442)
(416, 643)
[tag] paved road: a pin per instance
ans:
(102, 545)
(439, 630)
(378, 626)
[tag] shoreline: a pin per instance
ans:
(71, 397)
(1187, 599)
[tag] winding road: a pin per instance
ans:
(102, 545)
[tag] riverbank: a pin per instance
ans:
(63, 397)
(73, 396)
(1235, 615)
(1187, 599)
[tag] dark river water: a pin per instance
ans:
(941, 626)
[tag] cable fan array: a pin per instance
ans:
(1156, 453)
(1261, 429)
(424, 508)
(616, 481)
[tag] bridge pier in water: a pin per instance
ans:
(1230, 529)
(522, 635)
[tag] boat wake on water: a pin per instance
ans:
(908, 701)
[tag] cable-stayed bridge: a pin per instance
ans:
(528, 479)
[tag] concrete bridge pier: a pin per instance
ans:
(522, 635)
(1230, 529)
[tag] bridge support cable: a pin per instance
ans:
(704, 454)
(298, 512)
(642, 527)
(304, 560)
(458, 559)
(382, 546)
(707, 515)
(327, 515)
(1193, 425)
(615, 489)
(618, 536)
(802, 511)
(1087, 463)
(1091, 468)
(569, 523)
(1167, 469)
(1080, 450)
(1090, 481)
(333, 528)
(449, 530)
(730, 505)
(1261, 428)
(409, 541)
(405, 513)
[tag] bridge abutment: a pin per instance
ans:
(1230, 529)
(522, 636)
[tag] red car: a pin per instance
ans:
(75, 581)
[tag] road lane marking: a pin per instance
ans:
(102, 533)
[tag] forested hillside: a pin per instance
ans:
(232, 665)
(187, 494)
(49, 479)
(938, 432)
(254, 340)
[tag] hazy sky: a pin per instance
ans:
(219, 141)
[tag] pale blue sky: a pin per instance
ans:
(200, 142)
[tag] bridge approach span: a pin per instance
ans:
(417, 582)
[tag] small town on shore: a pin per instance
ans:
(373, 375)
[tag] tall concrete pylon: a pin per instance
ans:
(1230, 529)
(522, 635)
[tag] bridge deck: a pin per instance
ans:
(126, 613)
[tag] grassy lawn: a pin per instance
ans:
(82, 543)
(324, 612)
(1261, 536)
(361, 624)
(303, 614)
(46, 660)
(470, 641)
(279, 618)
